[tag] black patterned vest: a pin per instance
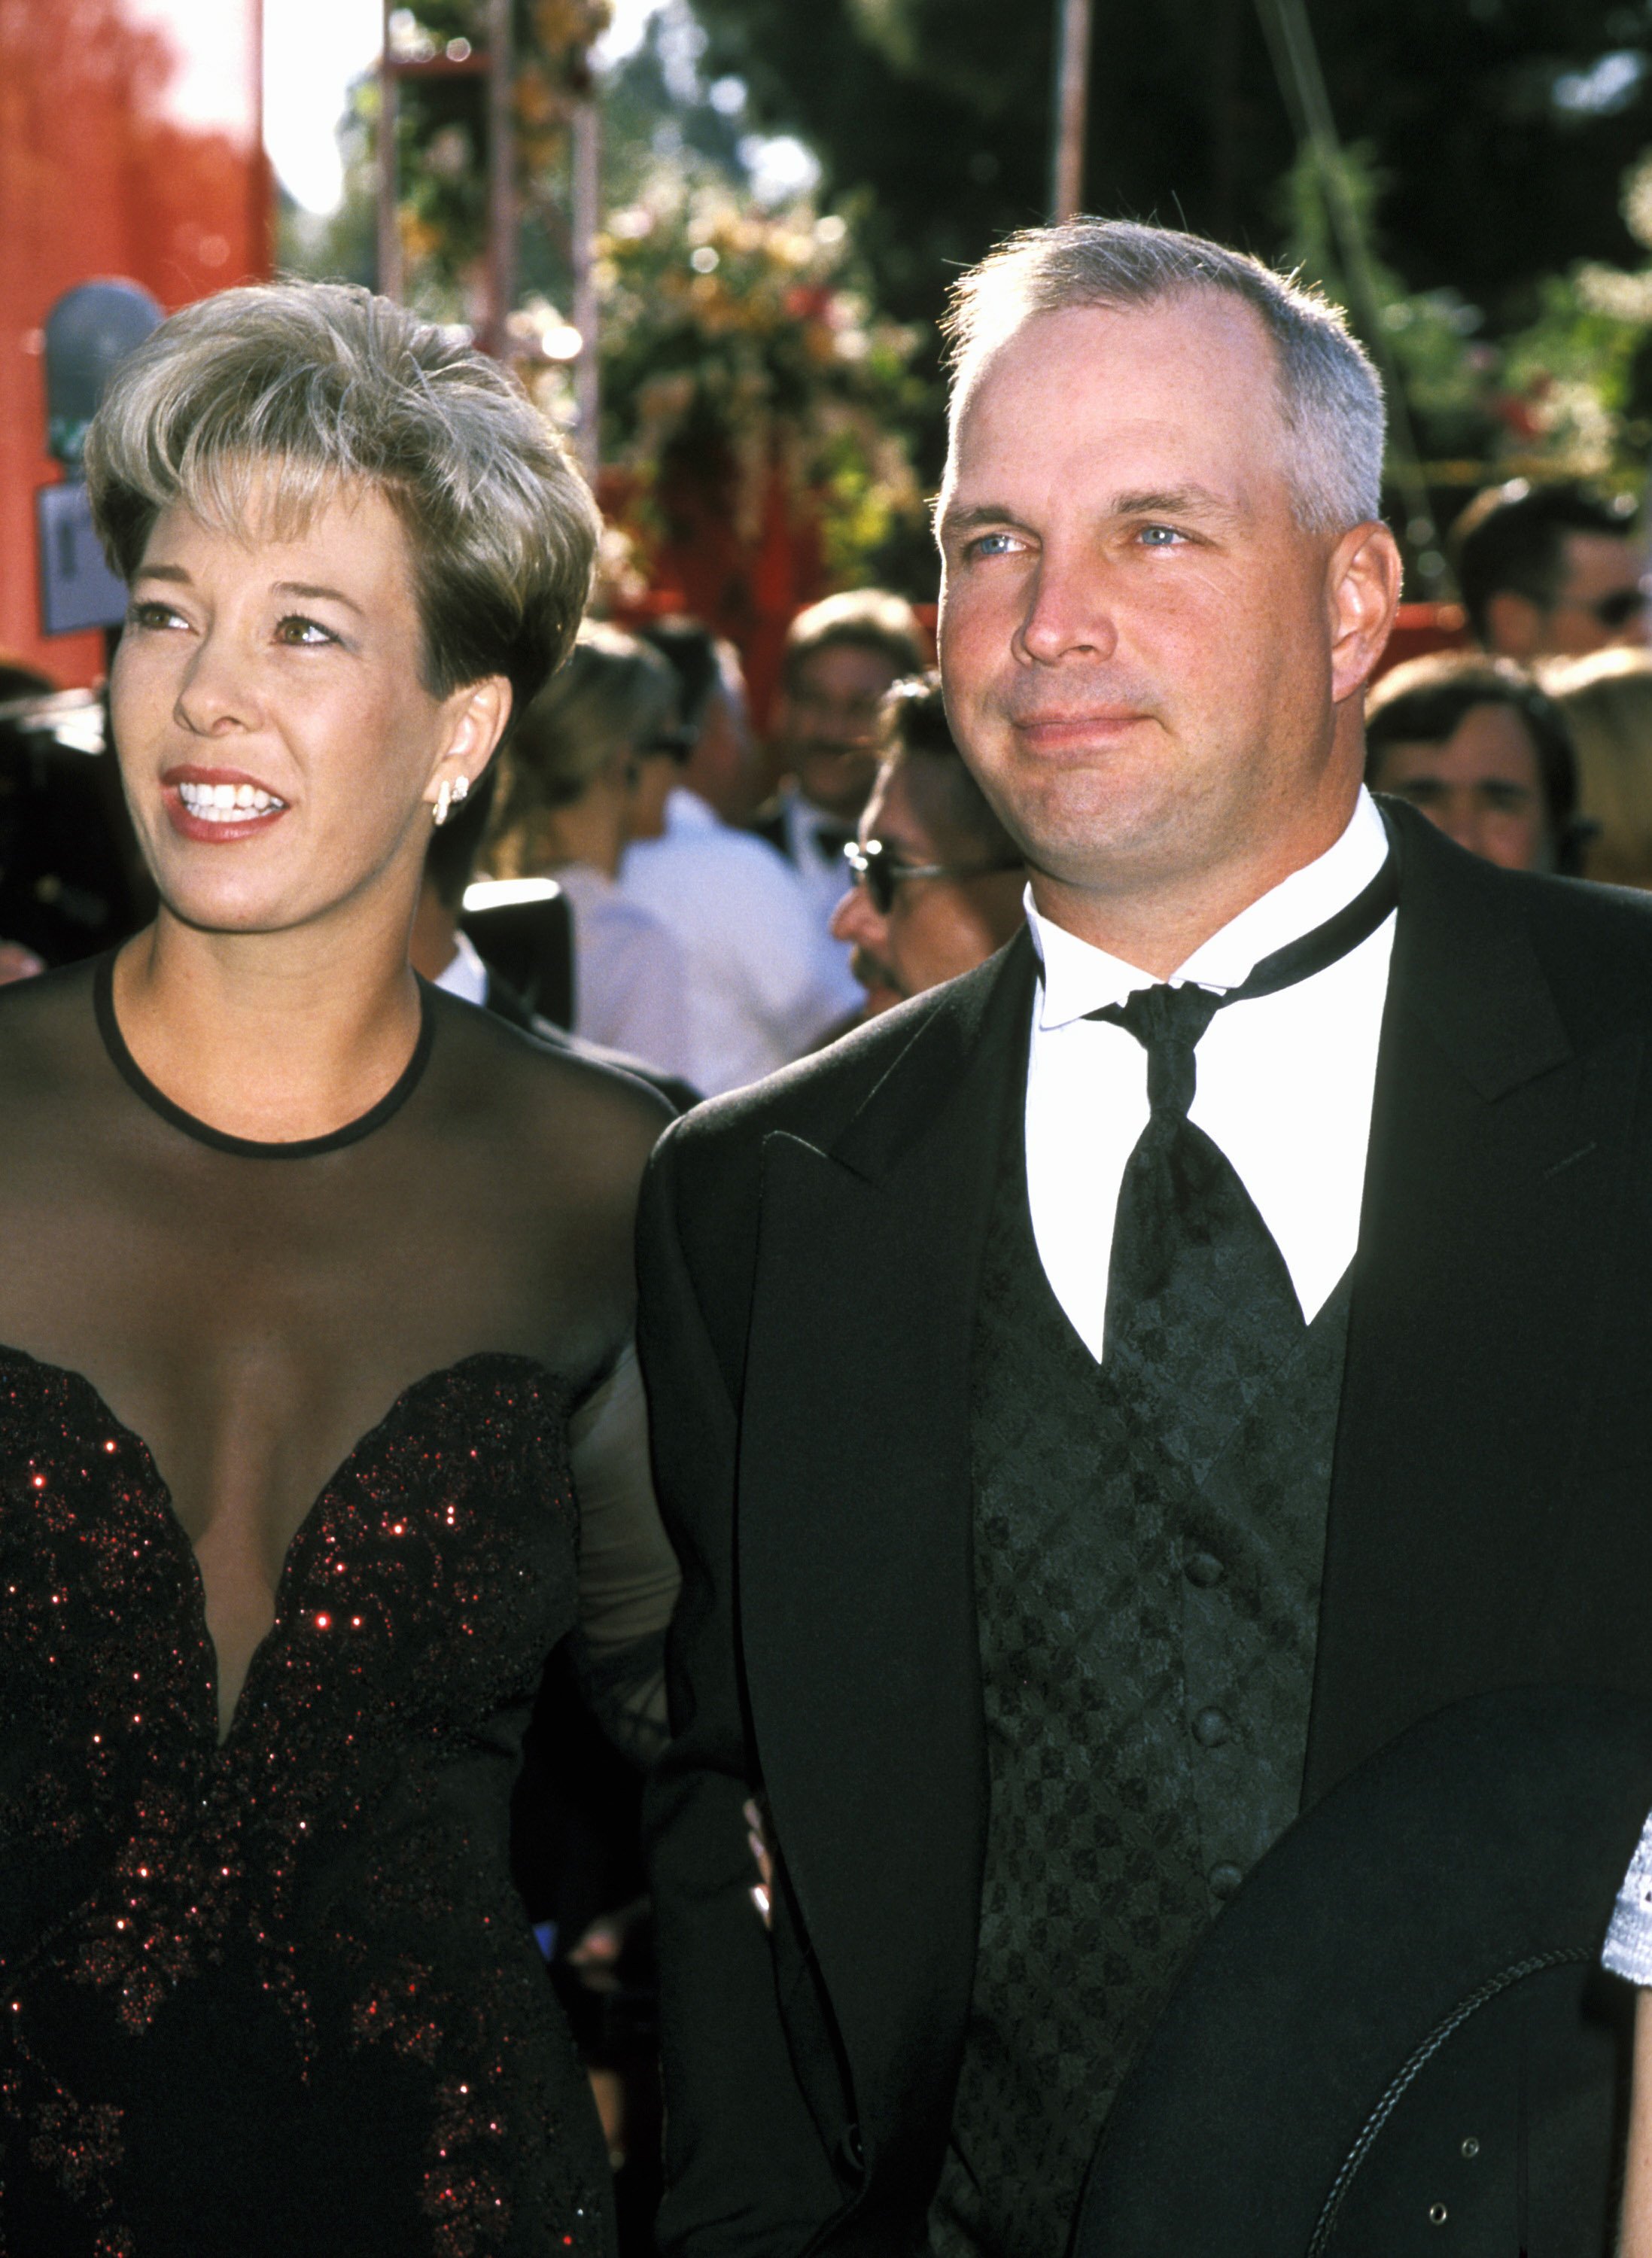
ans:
(1147, 1587)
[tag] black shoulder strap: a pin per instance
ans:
(530, 946)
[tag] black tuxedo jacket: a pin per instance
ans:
(808, 1254)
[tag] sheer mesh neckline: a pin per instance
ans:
(296, 1148)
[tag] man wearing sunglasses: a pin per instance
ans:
(936, 880)
(1549, 572)
(1104, 1404)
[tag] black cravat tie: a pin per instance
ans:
(1197, 1290)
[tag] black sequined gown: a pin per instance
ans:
(264, 1984)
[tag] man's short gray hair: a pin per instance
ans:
(290, 392)
(1330, 396)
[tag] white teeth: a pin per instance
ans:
(225, 803)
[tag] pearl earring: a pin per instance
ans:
(450, 796)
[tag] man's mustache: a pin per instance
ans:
(1080, 695)
(872, 972)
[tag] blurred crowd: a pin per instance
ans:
(646, 876)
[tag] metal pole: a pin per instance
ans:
(587, 215)
(501, 177)
(390, 276)
(1296, 64)
(1071, 87)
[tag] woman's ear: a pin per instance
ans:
(478, 713)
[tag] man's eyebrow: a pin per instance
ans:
(1173, 502)
(1190, 500)
(984, 513)
(328, 595)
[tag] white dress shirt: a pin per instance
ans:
(465, 974)
(628, 986)
(824, 876)
(1629, 1950)
(1285, 1083)
(757, 996)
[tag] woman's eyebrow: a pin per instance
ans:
(328, 595)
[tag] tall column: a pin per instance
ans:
(1072, 88)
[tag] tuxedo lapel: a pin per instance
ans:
(1497, 1150)
(857, 1600)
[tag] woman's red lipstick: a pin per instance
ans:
(218, 806)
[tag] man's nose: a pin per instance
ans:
(844, 725)
(855, 918)
(1462, 819)
(1068, 609)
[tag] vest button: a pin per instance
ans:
(1203, 1569)
(1211, 1727)
(1224, 1880)
(851, 2149)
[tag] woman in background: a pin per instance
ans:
(577, 760)
(319, 1426)
(1606, 700)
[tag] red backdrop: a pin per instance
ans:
(131, 145)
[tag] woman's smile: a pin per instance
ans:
(219, 805)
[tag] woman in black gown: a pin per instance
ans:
(318, 1424)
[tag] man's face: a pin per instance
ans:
(1150, 665)
(1601, 602)
(933, 928)
(1484, 787)
(828, 724)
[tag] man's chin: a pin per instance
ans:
(879, 1000)
(838, 783)
(881, 994)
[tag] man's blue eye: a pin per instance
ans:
(982, 545)
(1159, 536)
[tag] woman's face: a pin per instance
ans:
(277, 743)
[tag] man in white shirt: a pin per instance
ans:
(1105, 1400)
(755, 993)
(841, 656)
(756, 990)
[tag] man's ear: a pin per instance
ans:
(476, 716)
(1513, 625)
(1362, 584)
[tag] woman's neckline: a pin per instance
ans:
(294, 1148)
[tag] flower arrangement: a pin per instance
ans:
(739, 348)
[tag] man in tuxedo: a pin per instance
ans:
(938, 881)
(842, 655)
(1101, 1402)
(1549, 572)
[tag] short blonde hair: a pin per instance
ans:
(1329, 395)
(1607, 701)
(301, 390)
(616, 696)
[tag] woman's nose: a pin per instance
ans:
(217, 697)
